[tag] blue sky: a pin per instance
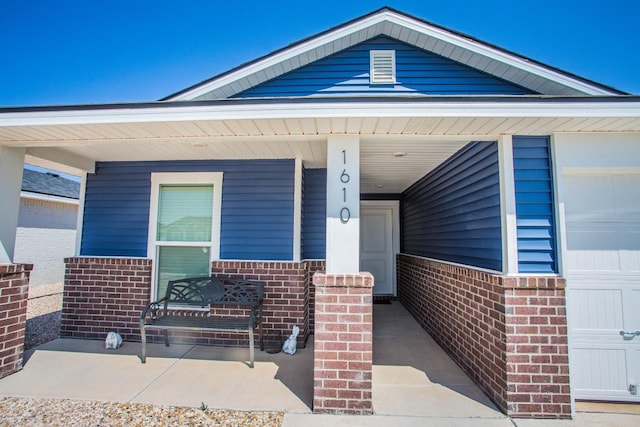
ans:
(56, 52)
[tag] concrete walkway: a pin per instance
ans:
(414, 382)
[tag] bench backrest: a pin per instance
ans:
(215, 291)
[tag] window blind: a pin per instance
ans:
(185, 213)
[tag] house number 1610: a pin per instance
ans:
(345, 213)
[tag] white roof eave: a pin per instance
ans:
(291, 110)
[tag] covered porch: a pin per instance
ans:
(413, 378)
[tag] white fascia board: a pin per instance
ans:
(496, 54)
(48, 198)
(324, 110)
(279, 57)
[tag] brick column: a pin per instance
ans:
(343, 343)
(103, 295)
(537, 350)
(14, 292)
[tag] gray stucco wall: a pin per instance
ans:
(46, 234)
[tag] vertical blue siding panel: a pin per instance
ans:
(453, 213)
(534, 205)
(417, 72)
(314, 214)
(257, 207)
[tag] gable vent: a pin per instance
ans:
(383, 66)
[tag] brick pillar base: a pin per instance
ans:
(14, 292)
(537, 350)
(343, 343)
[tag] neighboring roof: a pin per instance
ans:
(50, 184)
(491, 59)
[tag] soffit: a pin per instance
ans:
(427, 142)
(240, 134)
(70, 139)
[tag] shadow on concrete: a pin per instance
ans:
(412, 375)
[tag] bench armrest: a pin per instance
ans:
(154, 307)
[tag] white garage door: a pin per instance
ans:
(602, 268)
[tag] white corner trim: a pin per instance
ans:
(80, 219)
(297, 211)
(558, 208)
(508, 206)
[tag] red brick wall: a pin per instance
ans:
(537, 352)
(343, 344)
(312, 268)
(14, 293)
(463, 310)
(104, 294)
(108, 294)
(285, 291)
(508, 334)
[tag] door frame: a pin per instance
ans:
(394, 206)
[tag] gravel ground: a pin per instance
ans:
(69, 413)
(43, 315)
(43, 325)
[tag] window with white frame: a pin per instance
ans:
(184, 225)
(382, 67)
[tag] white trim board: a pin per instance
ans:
(326, 109)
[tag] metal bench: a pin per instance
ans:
(179, 308)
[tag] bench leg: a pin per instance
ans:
(251, 346)
(143, 338)
(261, 338)
(166, 337)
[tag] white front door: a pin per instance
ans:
(379, 243)
(602, 268)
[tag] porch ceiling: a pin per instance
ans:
(72, 139)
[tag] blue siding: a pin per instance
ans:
(534, 205)
(257, 207)
(417, 72)
(453, 213)
(314, 214)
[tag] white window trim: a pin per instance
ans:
(169, 178)
(372, 54)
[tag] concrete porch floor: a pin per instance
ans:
(414, 382)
